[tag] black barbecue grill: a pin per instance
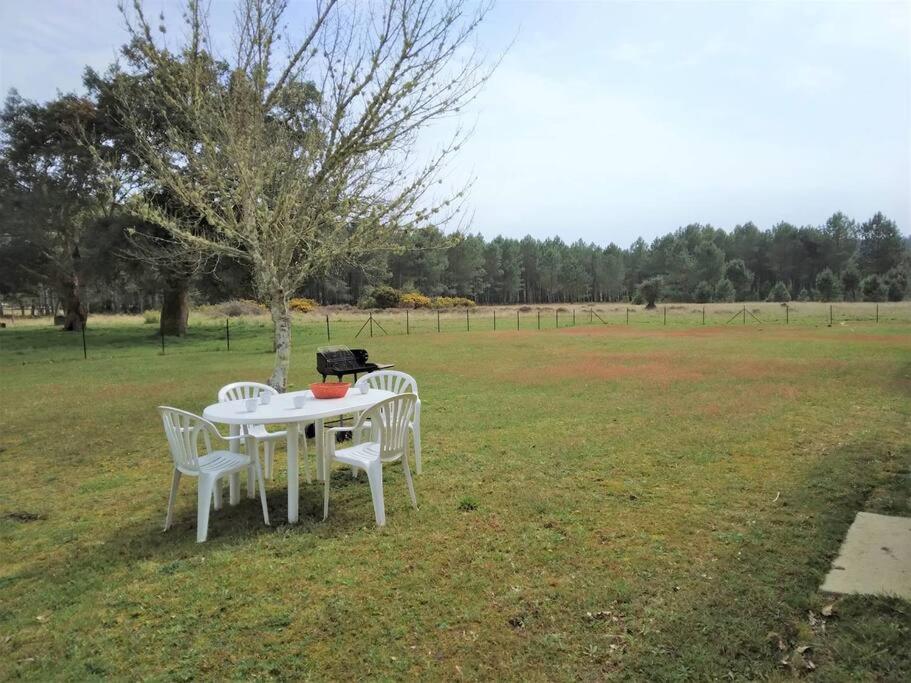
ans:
(339, 361)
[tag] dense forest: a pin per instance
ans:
(70, 240)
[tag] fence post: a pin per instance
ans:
(877, 313)
(517, 319)
(539, 319)
(370, 320)
(665, 315)
(467, 322)
(591, 315)
(85, 352)
(494, 320)
(557, 319)
(744, 314)
(328, 336)
(407, 323)
(438, 320)
(161, 332)
(574, 317)
(703, 314)
(228, 333)
(627, 315)
(830, 315)
(787, 314)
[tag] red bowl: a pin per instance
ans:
(329, 389)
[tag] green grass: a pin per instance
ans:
(597, 502)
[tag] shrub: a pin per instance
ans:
(650, 290)
(366, 301)
(703, 292)
(850, 281)
(386, 296)
(779, 292)
(826, 284)
(451, 302)
(302, 305)
(414, 300)
(151, 317)
(873, 288)
(896, 283)
(233, 309)
(804, 295)
(724, 291)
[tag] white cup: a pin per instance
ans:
(250, 405)
(300, 400)
(265, 398)
(364, 388)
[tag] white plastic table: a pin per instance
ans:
(281, 410)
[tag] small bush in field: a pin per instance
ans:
(779, 293)
(451, 302)
(386, 296)
(233, 309)
(302, 305)
(414, 300)
(150, 317)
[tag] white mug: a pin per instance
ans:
(250, 405)
(265, 398)
(300, 400)
(365, 388)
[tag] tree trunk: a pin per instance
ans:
(281, 320)
(74, 313)
(175, 308)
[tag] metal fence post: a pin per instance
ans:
(494, 320)
(703, 314)
(877, 313)
(830, 315)
(371, 324)
(539, 319)
(787, 315)
(517, 318)
(574, 317)
(665, 315)
(438, 320)
(744, 314)
(557, 319)
(228, 333)
(627, 316)
(328, 336)
(85, 352)
(407, 323)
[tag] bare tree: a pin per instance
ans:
(306, 161)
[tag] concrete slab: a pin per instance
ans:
(875, 558)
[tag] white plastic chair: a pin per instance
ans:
(388, 424)
(183, 430)
(244, 390)
(399, 383)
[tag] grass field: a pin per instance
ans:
(601, 501)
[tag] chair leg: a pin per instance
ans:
(203, 503)
(325, 491)
(416, 437)
(253, 451)
(409, 481)
(306, 455)
(268, 451)
(216, 494)
(175, 480)
(375, 477)
(262, 492)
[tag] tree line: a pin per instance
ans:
(176, 173)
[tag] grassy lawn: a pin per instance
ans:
(605, 501)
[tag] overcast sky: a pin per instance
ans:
(611, 120)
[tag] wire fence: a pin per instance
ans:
(109, 336)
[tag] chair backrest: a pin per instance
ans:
(389, 421)
(390, 380)
(243, 390)
(182, 430)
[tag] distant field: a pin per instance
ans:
(604, 501)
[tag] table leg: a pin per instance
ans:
(320, 464)
(293, 473)
(253, 452)
(234, 479)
